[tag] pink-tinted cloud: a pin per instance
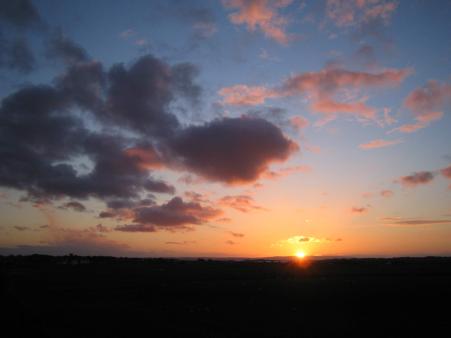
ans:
(312, 148)
(261, 14)
(299, 122)
(427, 104)
(330, 91)
(275, 174)
(329, 106)
(329, 80)
(387, 193)
(418, 178)
(429, 99)
(243, 203)
(325, 86)
(243, 95)
(352, 12)
(379, 144)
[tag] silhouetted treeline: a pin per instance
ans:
(75, 296)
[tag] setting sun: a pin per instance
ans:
(300, 254)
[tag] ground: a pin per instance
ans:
(110, 297)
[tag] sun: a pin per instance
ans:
(300, 254)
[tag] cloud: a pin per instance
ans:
(359, 210)
(397, 221)
(231, 150)
(230, 242)
(243, 95)
(299, 122)
(15, 54)
(379, 143)
(426, 104)
(63, 48)
(325, 85)
(283, 172)
(21, 228)
(446, 172)
(417, 178)
(74, 205)
(139, 96)
(386, 193)
(127, 33)
(135, 228)
(20, 13)
(236, 234)
(175, 213)
(102, 229)
(330, 91)
(181, 243)
(44, 135)
(243, 203)
(201, 20)
(296, 240)
(358, 12)
(261, 14)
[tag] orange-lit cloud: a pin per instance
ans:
(146, 157)
(379, 144)
(243, 203)
(261, 14)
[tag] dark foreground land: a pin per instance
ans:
(45, 296)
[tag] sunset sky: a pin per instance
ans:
(236, 128)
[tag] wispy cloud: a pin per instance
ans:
(379, 143)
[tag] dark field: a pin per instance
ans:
(107, 297)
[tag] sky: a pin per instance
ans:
(234, 128)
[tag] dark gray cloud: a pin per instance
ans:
(118, 120)
(65, 49)
(139, 96)
(20, 13)
(135, 228)
(231, 150)
(15, 54)
(74, 205)
(176, 212)
(41, 135)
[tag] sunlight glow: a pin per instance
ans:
(300, 254)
